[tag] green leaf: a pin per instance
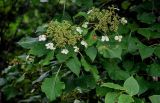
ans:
(2, 81)
(113, 86)
(155, 98)
(86, 82)
(131, 85)
(128, 65)
(123, 98)
(156, 51)
(114, 52)
(84, 63)
(147, 18)
(27, 42)
(145, 32)
(20, 79)
(101, 91)
(111, 97)
(62, 57)
(91, 38)
(74, 65)
(123, 29)
(115, 72)
(125, 4)
(132, 47)
(81, 14)
(41, 29)
(85, 3)
(95, 73)
(39, 49)
(145, 51)
(52, 87)
(138, 100)
(143, 85)
(9, 91)
(91, 52)
(47, 59)
(154, 69)
(148, 33)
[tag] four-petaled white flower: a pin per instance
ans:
(76, 49)
(42, 38)
(64, 51)
(85, 25)
(89, 11)
(79, 30)
(50, 46)
(118, 38)
(123, 21)
(104, 38)
(84, 43)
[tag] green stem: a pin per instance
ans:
(64, 7)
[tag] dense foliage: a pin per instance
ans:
(80, 51)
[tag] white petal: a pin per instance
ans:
(50, 46)
(85, 25)
(79, 30)
(120, 36)
(76, 49)
(123, 20)
(42, 38)
(84, 43)
(64, 51)
(116, 37)
(103, 39)
(89, 11)
(106, 38)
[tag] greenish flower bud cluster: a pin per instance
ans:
(62, 33)
(108, 20)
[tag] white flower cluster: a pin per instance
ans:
(50, 46)
(79, 30)
(104, 38)
(64, 51)
(42, 38)
(118, 38)
(123, 21)
(76, 49)
(85, 24)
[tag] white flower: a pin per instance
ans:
(43, 1)
(104, 38)
(50, 46)
(123, 21)
(118, 38)
(85, 25)
(79, 30)
(64, 51)
(84, 43)
(42, 38)
(76, 49)
(89, 11)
